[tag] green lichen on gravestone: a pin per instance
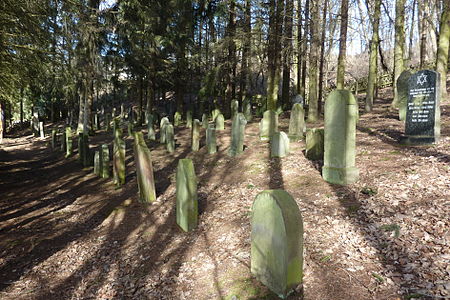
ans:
(215, 113)
(68, 138)
(279, 145)
(234, 108)
(107, 124)
(54, 135)
(204, 121)
(162, 130)
(63, 141)
(268, 125)
(402, 93)
(195, 136)
(189, 119)
(247, 109)
(237, 135)
(277, 241)
(187, 201)
(211, 139)
(144, 169)
(220, 122)
(314, 144)
(177, 119)
(83, 149)
(97, 164)
(118, 161)
(170, 138)
(341, 110)
(105, 161)
(296, 122)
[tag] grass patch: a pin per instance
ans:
(391, 227)
(367, 190)
(395, 152)
(378, 277)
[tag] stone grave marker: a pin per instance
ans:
(162, 130)
(41, 130)
(268, 125)
(69, 146)
(298, 99)
(237, 135)
(234, 108)
(279, 144)
(211, 139)
(170, 138)
(83, 149)
(104, 156)
(54, 136)
(63, 141)
(314, 144)
(215, 113)
(220, 122)
(144, 169)
(177, 119)
(205, 121)
(151, 135)
(402, 93)
(189, 119)
(97, 164)
(247, 109)
(277, 241)
(297, 122)
(195, 137)
(119, 161)
(187, 200)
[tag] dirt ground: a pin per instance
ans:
(67, 234)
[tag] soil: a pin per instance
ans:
(68, 234)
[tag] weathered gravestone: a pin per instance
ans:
(402, 93)
(68, 139)
(298, 99)
(195, 137)
(130, 127)
(35, 124)
(189, 119)
(423, 113)
(297, 122)
(279, 145)
(162, 130)
(170, 138)
(211, 139)
(63, 141)
(41, 130)
(237, 135)
(119, 160)
(187, 201)
(205, 121)
(177, 119)
(104, 157)
(277, 241)
(150, 130)
(97, 164)
(220, 122)
(268, 125)
(83, 149)
(247, 109)
(215, 113)
(341, 110)
(54, 136)
(234, 108)
(314, 144)
(144, 169)
(96, 122)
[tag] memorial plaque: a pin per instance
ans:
(423, 110)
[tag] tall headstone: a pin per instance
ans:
(35, 124)
(54, 136)
(402, 93)
(205, 121)
(130, 127)
(279, 144)
(170, 138)
(211, 139)
(83, 149)
(247, 109)
(151, 135)
(63, 141)
(234, 108)
(68, 137)
(195, 137)
(119, 161)
(220, 122)
(215, 113)
(187, 200)
(277, 241)
(298, 99)
(177, 119)
(423, 114)
(297, 122)
(237, 135)
(268, 125)
(144, 169)
(162, 130)
(97, 164)
(314, 144)
(189, 119)
(41, 130)
(105, 161)
(341, 111)
(107, 124)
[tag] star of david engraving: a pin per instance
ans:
(421, 79)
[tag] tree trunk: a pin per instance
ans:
(313, 113)
(373, 59)
(230, 91)
(340, 76)
(423, 28)
(322, 54)
(287, 51)
(411, 32)
(399, 47)
(245, 71)
(304, 51)
(443, 48)
(300, 56)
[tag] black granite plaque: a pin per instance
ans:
(422, 124)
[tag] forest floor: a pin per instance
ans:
(67, 234)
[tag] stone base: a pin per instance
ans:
(342, 176)
(418, 140)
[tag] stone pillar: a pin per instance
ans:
(215, 113)
(189, 119)
(341, 113)
(83, 149)
(297, 122)
(97, 164)
(187, 201)
(162, 130)
(177, 119)
(277, 241)
(63, 141)
(119, 161)
(54, 136)
(268, 125)
(279, 144)
(211, 139)
(402, 93)
(234, 108)
(68, 136)
(195, 137)
(220, 122)
(237, 135)
(104, 156)
(151, 135)
(247, 109)
(205, 121)
(170, 138)
(144, 169)
(41, 130)
(314, 144)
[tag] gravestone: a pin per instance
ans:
(63, 141)
(41, 130)
(220, 122)
(215, 113)
(297, 122)
(177, 119)
(54, 135)
(97, 164)
(130, 127)
(96, 122)
(314, 144)
(423, 113)
(83, 149)
(279, 144)
(205, 121)
(298, 99)
(187, 200)
(189, 119)
(341, 111)
(402, 93)
(247, 109)
(162, 130)
(268, 125)
(144, 169)
(170, 138)
(211, 139)
(68, 138)
(277, 241)
(234, 108)
(104, 156)
(118, 160)
(195, 137)
(237, 135)
(151, 135)
(35, 124)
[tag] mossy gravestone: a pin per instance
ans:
(144, 169)
(279, 145)
(234, 108)
(150, 130)
(68, 137)
(220, 122)
(195, 137)
(97, 164)
(237, 135)
(402, 93)
(215, 113)
(107, 125)
(423, 114)
(162, 130)
(189, 119)
(211, 139)
(247, 109)
(54, 135)
(277, 241)
(268, 125)
(170, 138)
(104, 157)
(118, 160)
(177, 119)
(205, 121)
(314, 144)
(63, 141)
(297, 122)
(341, 110)
(83, 149)
(187, 201)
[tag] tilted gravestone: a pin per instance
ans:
(279, 144)
(211, 139)
(247, 109)
(195, 135)
(151, 135)
(177, 119)
(144, 169)
(277, 241)
(268, 125)
(170, 138)
(104, 157)
(215, 113)
(119, 160)
(189, 119)
(297, 122)
(97, 164)
(237, 135)
(423, 114)
(68, 138)
(234, 108)
(314, 144)
(205, 121)
(41, 130)
(402, 93)
(162, 130)
(220, 122)
(341, 111)
(187, 200)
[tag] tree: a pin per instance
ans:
(399, 47)
(443, 47)
(313, 112)
(287, 51)
(340, 76)
(373, 59)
